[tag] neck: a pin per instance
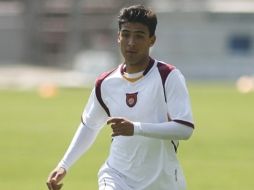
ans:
(137, 66)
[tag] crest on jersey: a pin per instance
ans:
(131, 99)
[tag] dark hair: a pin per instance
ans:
(138, 13)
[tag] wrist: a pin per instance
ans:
(137, 128)
(63, 166)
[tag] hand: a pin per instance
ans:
(121, 126)
(54, 178)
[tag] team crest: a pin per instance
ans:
(131, 99)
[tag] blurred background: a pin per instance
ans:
(51, 51)
(206, 39)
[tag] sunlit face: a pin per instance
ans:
(135, 42)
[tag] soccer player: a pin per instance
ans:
(146, 103)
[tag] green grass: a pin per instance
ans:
(35, 132)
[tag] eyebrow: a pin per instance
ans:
(137, 31)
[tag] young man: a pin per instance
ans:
(146, 102)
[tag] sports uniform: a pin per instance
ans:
(158, 104)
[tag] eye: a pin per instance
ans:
(125, 34)
(139, 36)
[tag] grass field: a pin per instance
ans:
(34, 133)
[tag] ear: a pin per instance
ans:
(152, 40)
(118, 37)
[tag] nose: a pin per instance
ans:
(131, 41)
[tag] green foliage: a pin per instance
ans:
(35, 132)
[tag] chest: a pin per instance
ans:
(139, 101)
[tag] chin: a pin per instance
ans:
(131, 59)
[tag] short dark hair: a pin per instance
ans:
(139, 14)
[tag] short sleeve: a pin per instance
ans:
(178, 101)
(94, 116)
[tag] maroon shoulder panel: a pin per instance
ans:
(98, 83)
(164, 70)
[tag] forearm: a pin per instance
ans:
(81, 142)
(167, 130)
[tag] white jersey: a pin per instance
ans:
(159, 96)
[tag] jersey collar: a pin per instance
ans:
(148, 68)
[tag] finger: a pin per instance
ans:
(116, 126)
(49, 181)
(118, 129)
(57, 186)
(49, 186)
(115, 120)
(115, 134)
(52, 175)
(58, 177)
(60, 185)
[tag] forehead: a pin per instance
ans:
(134, 27)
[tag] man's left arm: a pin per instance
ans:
(180, 126)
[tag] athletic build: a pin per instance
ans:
(146, 103)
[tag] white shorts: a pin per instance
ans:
(110, 179)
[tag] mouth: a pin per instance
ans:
(131, 52)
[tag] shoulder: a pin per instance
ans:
(165, 69)
(98, 91)
(103, 76)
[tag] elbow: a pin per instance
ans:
(187, 134)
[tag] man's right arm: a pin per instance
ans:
(81, 142)
(93, 119)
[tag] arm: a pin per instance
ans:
(180, 126)
(93, 119)
(81, 142)
(167, 130)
